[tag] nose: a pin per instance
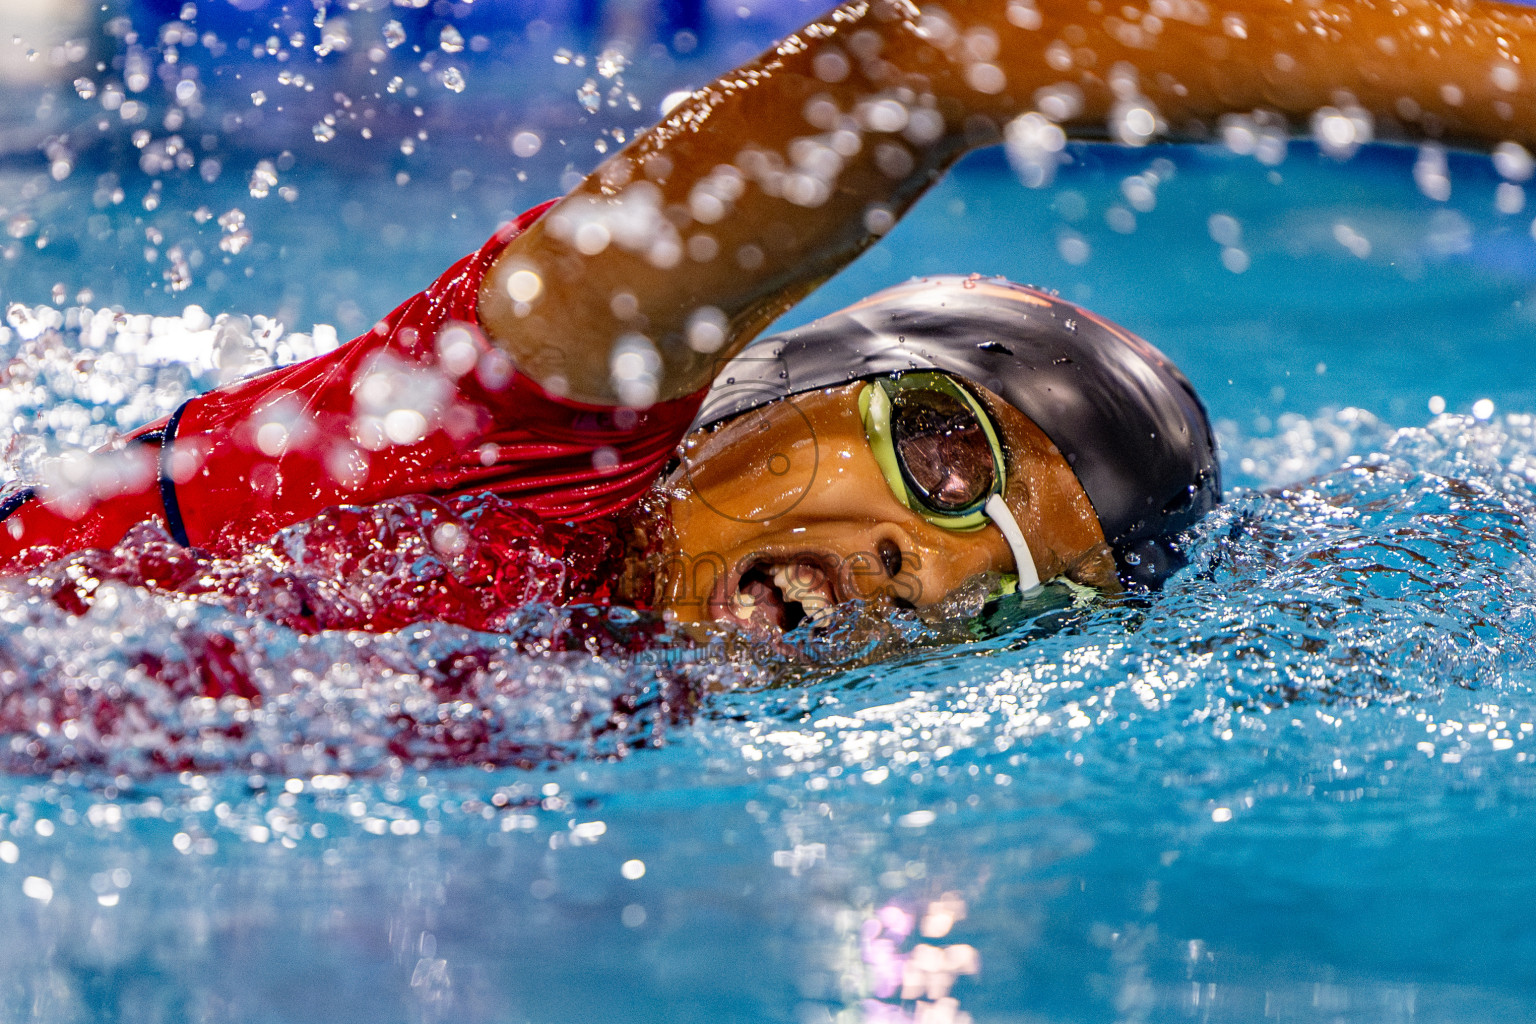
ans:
(883, 563)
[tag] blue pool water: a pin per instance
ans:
(1297, 786)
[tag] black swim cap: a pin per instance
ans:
(1125, 418)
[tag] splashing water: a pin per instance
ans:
(1295, 785)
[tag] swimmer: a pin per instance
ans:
(940, 432)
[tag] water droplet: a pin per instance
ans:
(588, 96)
(263, 178)
(451, 40)
(1134, 121)
(1034, 145)
(1340, 132)
(707, 329)
(324, 132)
(1073, 248)
(526, 143)
(611, 62)
(236, 241)
(1352, 240)
(1509, 198)
(1513, 161)
(1120, 220)
(1138, 192)
(453, 79)
(1431, 173)
(394, 34)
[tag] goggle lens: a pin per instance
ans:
(936, 446)
(945, 455)
(943, 458)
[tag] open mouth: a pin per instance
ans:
(780, 595)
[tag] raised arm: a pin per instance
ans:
(678, 250)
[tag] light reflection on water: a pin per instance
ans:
(1290, 785)
(1296, 786)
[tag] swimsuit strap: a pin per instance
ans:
(167, 437)
(11, 505)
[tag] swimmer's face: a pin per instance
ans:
(784, 510)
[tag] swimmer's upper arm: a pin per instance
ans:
(677, 251)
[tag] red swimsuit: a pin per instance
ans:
(421, 404)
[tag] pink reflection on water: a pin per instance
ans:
(912, 985)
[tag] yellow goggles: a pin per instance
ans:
(936, 445)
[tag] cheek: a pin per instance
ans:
(699, 531)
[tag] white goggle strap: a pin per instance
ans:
(1024, 562)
